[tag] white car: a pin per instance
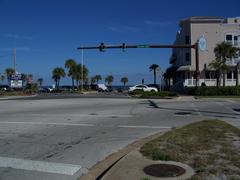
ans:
(142, 87)
(102, 88)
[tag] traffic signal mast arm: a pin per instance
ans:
(102, 47)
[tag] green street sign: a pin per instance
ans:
(143, 46)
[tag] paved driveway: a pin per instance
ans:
(63, 138)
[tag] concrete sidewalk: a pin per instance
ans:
(131, 167)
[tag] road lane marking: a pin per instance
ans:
(46, 123)
(145, 127)
(49, 167)
(86, 125)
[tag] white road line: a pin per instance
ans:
(85, 125)
(46, 123)
(146, 127)
(49, 167)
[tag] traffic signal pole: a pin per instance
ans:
(103, 48)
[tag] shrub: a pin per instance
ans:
(214, 91)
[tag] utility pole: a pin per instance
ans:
(14, 60)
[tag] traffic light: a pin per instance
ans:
(102, 47)
(123, 47)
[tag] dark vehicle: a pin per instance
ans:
(5, 88)
(155, 86)
(66, 88)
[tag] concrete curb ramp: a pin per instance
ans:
(131, 167)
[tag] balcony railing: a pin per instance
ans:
(232, 62)
(208, 82)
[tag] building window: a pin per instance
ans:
(229, 38)
(233, 39)
(187, 40)
(187, 57)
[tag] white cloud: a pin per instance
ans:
(159, 23)
(124, 29)
(17, 49)
(16, 36)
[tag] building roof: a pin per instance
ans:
(203, 19)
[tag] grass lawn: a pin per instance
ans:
(211, 147)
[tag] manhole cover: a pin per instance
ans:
(164, 170)
(183, 113)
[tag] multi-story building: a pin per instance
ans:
(208, 31)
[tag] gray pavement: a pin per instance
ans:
(63, 138)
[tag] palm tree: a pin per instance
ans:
(93, 80)
(98, 78)
(237, 73)
(124, 80)
(109, 79)
(70, 64)
(2, 77)
(40, 81)
(77, 73)
(9, 72)
(29, 78)
(218, 67)
(57, 74)
(153, 68)
(24, 79)
(222, 51)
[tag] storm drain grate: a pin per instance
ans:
(182, 113)
(164, 170)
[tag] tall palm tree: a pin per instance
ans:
(223, 51)
(77, 73)
(57, 74)
(9, 72)
(40, 81)
(237, 73)
(24, 78)
(93, 80)
(29, 78)
(71, 64)
(2, 77)
(153, 68)
(109, 79)
(218, 67)
(98, 78)
(124, 80)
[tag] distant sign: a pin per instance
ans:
(16, 81)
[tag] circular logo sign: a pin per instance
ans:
(202, 43)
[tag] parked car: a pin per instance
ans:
(5, 88)
(102, 88)
(142, 87)
(45, 89)
(155, 86)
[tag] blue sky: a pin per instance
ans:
(47, 32)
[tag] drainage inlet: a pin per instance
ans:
(164, 170)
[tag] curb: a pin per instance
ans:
(102, 167)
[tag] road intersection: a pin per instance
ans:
(62, 138)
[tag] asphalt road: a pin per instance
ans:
(42, 138)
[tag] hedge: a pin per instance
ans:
(214, 91)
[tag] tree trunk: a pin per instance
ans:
(237, 74)
(72, 83)
(154, 74)
(224, 78)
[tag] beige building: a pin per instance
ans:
(208, 31)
